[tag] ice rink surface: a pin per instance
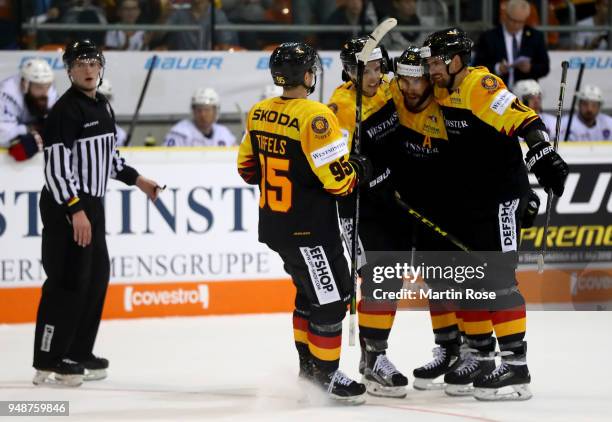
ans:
(244, 368)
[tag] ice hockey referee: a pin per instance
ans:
(80, 155)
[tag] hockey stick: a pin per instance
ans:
(362, 58)
(435, 228)
(564, 66)
(140, 100)
(322, 81)
(574, 100)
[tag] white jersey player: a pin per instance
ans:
(530, 94)
(25, 100)
(201, 129)
(106, 89)
(271, 91)
(589, 124)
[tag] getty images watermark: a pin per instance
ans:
(479, 281)
(408, 273)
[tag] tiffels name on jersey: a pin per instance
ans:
(272, 116)
(380, 130)
(271, 144)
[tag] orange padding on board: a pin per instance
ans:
(19, 305)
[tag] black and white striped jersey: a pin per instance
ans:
(80, 149)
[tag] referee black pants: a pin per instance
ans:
(73, 295)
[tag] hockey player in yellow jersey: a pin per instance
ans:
(294, 150)
(420, 158)
(488, 180)
(378, 228)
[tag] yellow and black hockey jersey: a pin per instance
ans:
(420, 155)
(295, 151)
(483, 119)
(378, 125)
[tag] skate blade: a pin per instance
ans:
(459, 390)
(427, 384)
(375, 389)
(51, 379)
(519, 392)
(95, 374)
(348, 401)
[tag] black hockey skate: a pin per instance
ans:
(339, 387)
(382, 378)
(459, 381)
(446, 358)
(95, 368)
(305, 368)
(509, 381)
(65, 373)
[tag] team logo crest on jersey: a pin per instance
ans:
(320, 125)
(489, 82)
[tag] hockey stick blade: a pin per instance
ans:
(374, 38)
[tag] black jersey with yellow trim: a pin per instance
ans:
(379, 125)
(294, 149)
(483, 120)
(419, 155)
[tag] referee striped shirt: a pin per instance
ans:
(80, 149)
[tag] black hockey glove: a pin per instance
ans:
(531, 209)
(548, 166)
(25, 146)
(363, 168)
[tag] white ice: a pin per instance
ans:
(243, 368)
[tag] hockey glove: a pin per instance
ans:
(25, 146)
(363, 168)
(548, 166)
(531, 209)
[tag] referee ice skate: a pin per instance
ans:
(80, 155)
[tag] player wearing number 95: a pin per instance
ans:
(294, 149)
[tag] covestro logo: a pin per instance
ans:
(135, 297)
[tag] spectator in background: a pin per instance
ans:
(85, 11)
(405, 11)
(247, 10)
(351, 13)
(307, 12)
(25, 100)
(202, 129)
(590, 124)
(106, 89)
(530, 94)
(256, 11)
(9, 27)
(514, 50)
(128, 12)
(594, 40)
(198, 14)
